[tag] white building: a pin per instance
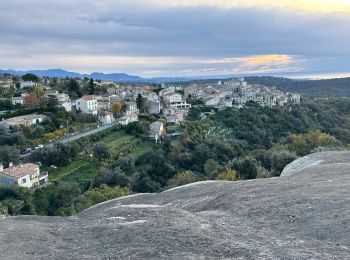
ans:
(211, 101)
(28, 84)
(156, 130)
(153, 107)
(151, 96)
(131, 108)
(173, 115)
(172, 98)
(26, 120)
(125, 120)
(17, 100)
(165, 92)
(63, 99)
(87, 105)
(25, 175)
(106, 117)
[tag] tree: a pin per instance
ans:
(6, 104)
(38, 131)
(143, 183)
(101, 152)
(117, 107)
(74, 88)
(30, 77)
(8, 154)
(31, 100)
(107, 176)
(303, 144)
(247, 167)
(280, 159)
(139, 101)
(194, 113)
(227, 174)
(114, 177)
(52, 102)
(127, 164)
(182, 178)
(91, 88)
(39, 91)
(98, 195)
(136, 128)
(210, 166)
(66, 194)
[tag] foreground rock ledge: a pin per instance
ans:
(304, 215)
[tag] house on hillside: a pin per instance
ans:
(26, 120)
(63, 99)
(105, 117)
(156, 130)
(27, 84)
(153, 107)
(173, 115)
(87, 105)
(25, 175)
(17, 100)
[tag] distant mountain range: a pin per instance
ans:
(59, 73)
(119, 77)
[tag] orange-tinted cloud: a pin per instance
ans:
(323, 6)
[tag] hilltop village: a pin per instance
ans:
(111, 103)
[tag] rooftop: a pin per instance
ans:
(22, 119)
(20, 170)
(88, 98)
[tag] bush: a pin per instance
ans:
(101, 152)
(182, 178)
(227, 174)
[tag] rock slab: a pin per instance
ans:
(303, 215)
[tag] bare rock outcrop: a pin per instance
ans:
(303, 215)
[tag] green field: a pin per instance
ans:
(121, 143)
(83, 176)
(83, 170)
(55, 174)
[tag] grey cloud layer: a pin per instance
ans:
(33, 28)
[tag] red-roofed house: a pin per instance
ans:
(26, 175)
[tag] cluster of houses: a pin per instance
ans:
(168, 102)
(237, 92)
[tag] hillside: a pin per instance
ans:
(303, 216)
(316, 88)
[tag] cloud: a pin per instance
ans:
(175, 37)
(309, 6)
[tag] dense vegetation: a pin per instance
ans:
(253, 142)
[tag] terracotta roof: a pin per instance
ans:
(21, 170)
(88, 98)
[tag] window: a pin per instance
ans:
(24, 181)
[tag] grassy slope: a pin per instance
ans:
(120, 142)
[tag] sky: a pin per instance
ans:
(152, 38)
